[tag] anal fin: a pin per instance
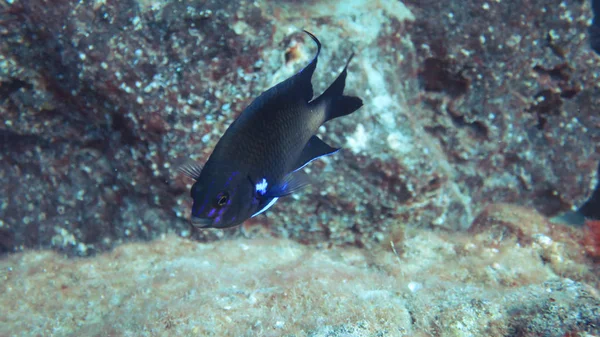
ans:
(267, 205)
(314, 149)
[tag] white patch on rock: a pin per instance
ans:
(359, 139)
(366, 17)
(400, 143)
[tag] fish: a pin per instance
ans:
(594, 29)
(260, 157)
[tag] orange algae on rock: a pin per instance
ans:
(453, 284)
(511, 220)
(507, 226)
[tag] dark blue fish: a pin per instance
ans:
(260, 156)
(594, 29)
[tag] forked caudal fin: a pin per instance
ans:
(303, 78)
(310, 68)
(338, 105)
(297, 87)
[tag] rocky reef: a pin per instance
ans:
(465, 105)
(515, 275)
(438, 217)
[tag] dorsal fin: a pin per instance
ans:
(191, 169)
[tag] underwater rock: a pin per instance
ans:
(512, 99)
(441, 284)
(466, 104)
(567, 250)
(101, 102)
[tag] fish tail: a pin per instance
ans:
(594, 29)
(594, 32)
(336, 104)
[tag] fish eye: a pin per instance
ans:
(222, 199)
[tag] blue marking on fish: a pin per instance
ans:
(261, 187)
(249, 170)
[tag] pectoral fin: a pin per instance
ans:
(191, 169)
(289, 184)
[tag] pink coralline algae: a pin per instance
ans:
(591, 241)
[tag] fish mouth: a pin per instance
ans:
(201, 222)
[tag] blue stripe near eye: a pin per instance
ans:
(231, 178)
(219, 216)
